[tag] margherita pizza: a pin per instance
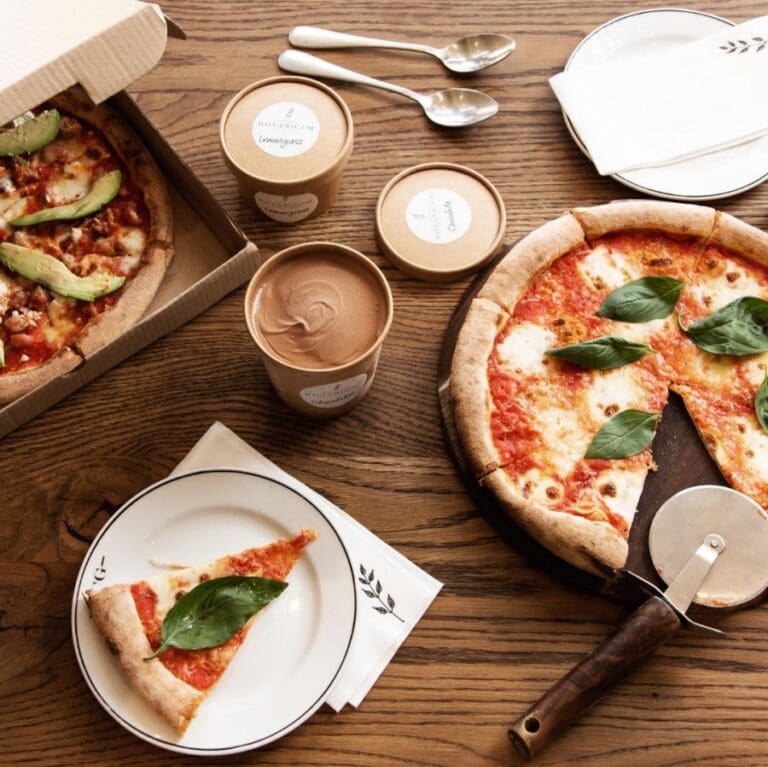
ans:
(134, 620)
(86, 230)
(568, 352)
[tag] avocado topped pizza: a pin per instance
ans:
(86, 230)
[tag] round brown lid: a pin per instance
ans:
(440, 221)
(285, 129)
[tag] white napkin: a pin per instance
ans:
(697, 98)
(385, 619)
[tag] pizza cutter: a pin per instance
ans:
(709, 544)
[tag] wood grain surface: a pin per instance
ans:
(502, 630)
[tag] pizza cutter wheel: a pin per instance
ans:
(709, 544)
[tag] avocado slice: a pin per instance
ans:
(31, 135)
(51, 273)
(103, 191)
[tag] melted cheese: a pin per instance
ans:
(567, 439)
(715, 292)
(5, 293)
(639, 332)
(12, 206)
(523, 349)
(74, 182)
(133, 240)
(755, 454)
(755, 368)
(618, 389)
(534, 486)
(620, 490)
(606, 269)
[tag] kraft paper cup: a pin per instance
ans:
(440, 221)
(287, 140)
(319, 392)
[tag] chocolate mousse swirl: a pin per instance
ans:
(319, 310)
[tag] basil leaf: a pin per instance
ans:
(649, 298)
(761, 404)
(213, 611)
(628, 433)
(604, 353)
(739, 328)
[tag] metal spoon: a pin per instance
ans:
(467, 54)
(452, 107)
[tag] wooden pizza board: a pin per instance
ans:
(681, 457)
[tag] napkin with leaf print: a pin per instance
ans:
(697, 98)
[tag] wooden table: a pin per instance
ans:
(502, 630)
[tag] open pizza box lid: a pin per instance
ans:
(49, 45)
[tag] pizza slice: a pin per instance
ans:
(196, 605)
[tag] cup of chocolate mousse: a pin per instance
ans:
(319, 313)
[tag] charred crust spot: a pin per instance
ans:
(710, 441)
(559, 321)
(204, 577)
(567, 333)
(611, 410)
(732, 276)
(609, 489)
(112, 647)
(599, 283)
(179, 595)
(552, 492)
(660, 262)
(742, 428)
(711, 263)
(707, 300)
(526, 490)
(749, 453)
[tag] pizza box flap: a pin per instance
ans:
(49, 45)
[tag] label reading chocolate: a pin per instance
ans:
(438, 216)
(334, 394)
(285, 129)
(286, 208)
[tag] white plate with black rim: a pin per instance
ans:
(634, 35)
(295, 649)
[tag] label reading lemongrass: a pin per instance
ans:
(438, 216)
(334, 394)
(285, 129)
(286, 208)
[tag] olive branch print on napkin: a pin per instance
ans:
(756, 44)
(373, 591)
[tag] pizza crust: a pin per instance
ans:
(678, 218)
(15, 385)
(743, 238)
(591, 546)
(469, 383)
(114, 612)
(529, 257)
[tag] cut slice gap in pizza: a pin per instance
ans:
(615, 258)
(130, 617)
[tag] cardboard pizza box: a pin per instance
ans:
(106, 46)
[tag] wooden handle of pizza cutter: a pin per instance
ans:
(640, 634)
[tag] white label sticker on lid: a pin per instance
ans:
(285, 129)
(334, 394)
(286, 208)
(438, 216)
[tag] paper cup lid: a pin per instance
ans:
(440, 221)
(286, 129)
